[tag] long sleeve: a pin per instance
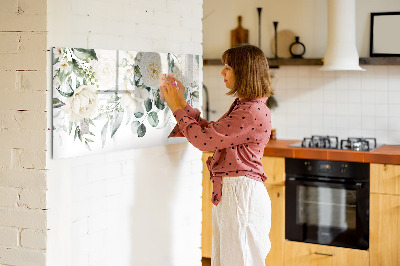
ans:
(231, 130)
(193, 113)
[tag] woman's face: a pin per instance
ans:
(229, 76)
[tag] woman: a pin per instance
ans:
(242, 208)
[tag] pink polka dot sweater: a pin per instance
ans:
(238, 139)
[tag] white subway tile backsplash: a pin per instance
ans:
(394, 82)
(381, 97)
(367, 133)
(352, 102)
(367, 110)
(382, 110)
(380, 84)
(292, 83)
(291, 71)
(380, 71)
(329, 109)
(355, 132)
(382, 136)
(354, 80)
(393, 71)
(367, 96)
(368, 123)
(394, 123)
(381, 123)
(342, 96)
(394, 110)
(394, 97)
(315, 72)
(303, 82)
(394, 136)
(355, 122)
(342, 109)
(342, 122)
(304, 72)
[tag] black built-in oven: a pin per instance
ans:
(327, 202)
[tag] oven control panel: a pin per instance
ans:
(336, 169)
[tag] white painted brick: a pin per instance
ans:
(22, 218)
(192, 23)
(35, 120)
(22, 139)
(97, 172)
(150, 6)
(9, 237)
(33, 199)
(7, 80)
(23, 178)
(98, 222)
(8, 6)
(23, 22)
(33, 239)
(8, 197)
(21, 100)
(17, 256)
(32, 61)
(9, 42)
(33, 7)
(114, 186)
(5, 158)
(33, 159)
(79, 228)
(96, 40)
(154, 32)
(31, 80)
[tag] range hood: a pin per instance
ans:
(341, 51)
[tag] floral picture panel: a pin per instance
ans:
(105, 100)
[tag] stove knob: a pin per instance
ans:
(308, 166)
(343, 168)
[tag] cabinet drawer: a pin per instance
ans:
(305, 254)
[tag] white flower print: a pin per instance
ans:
(83, 104)
(150, 68)
(105, 71)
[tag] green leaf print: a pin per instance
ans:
(153, 119)
(85, 54)
(141, 131)
(148, 104)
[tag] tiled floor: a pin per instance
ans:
(206, 261)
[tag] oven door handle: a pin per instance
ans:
(357, 185)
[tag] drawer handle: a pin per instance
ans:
(325, 254)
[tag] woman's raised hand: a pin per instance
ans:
(174, 93)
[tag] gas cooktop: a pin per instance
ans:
(332, 142)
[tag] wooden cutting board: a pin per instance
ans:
(239, 35)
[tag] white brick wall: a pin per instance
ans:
(23, 132)
(134, 207)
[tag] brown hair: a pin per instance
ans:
(250, 66)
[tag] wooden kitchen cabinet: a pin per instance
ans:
(305, 254)
(277, 233)
(274, 168)
(385, 178)
(206, 225)
(384, 236)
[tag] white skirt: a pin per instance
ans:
(241, 223)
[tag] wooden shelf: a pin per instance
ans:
(273, 63)
(380, 61)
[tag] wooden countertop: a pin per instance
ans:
(389, 154)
